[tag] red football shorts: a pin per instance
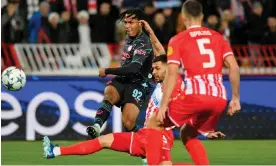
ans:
(198, 111)
(134, 143)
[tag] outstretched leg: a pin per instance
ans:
(115, 141)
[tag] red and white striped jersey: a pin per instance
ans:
(208, 84)
(156, 97)
(201, 51)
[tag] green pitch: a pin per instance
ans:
(220, 152)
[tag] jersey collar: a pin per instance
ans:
(194, 26)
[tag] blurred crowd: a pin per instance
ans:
(88, 21)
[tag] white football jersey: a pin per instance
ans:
(154, 101)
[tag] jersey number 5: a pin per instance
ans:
(204, 51)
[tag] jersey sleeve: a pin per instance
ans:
(225, 48)
(141, 52)
(173, 52)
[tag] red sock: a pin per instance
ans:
(82, 148)
(153, 146)
(197, 151)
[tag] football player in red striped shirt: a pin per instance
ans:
(202, 52)
(134, 143)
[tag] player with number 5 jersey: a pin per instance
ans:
(202, 57)
(203, 53)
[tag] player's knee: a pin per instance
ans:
(130, 114)
(128, 123)
(111, 95)
(106, 140)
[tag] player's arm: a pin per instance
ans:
(169, 83)
(172, 72)
(141, 52)
(234, 75)
(234, 70)
(157, 46)
(131, 68)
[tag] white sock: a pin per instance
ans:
(98, 126)
(56, 151)
(144, 160)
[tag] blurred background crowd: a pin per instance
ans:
(74, 21)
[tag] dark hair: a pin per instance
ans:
(137, 13)
(162, 58)
(192, 7)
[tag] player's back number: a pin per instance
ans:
(205, 51)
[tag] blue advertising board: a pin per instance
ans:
(62, 107)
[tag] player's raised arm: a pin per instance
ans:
(157, 46)
(234, 77)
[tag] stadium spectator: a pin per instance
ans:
(269, 7)
(161, 28)
(225, 30)
(54, 28)
(103, 25)
(232, 29)
(211, 7)
(212, 22)
(242, 21)
(84, 33)
(270, 34)
(12, 23)
(82, 57)
(39, 25)
(180, 26)
(149, 11)
(256, 22)
(237, 9)
(68, 28)
(170, 19)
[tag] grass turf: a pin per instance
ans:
(222, 152)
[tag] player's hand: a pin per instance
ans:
(102, 72)
(234, 107)
(215, 135)
(146, 25)
(161, 115)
